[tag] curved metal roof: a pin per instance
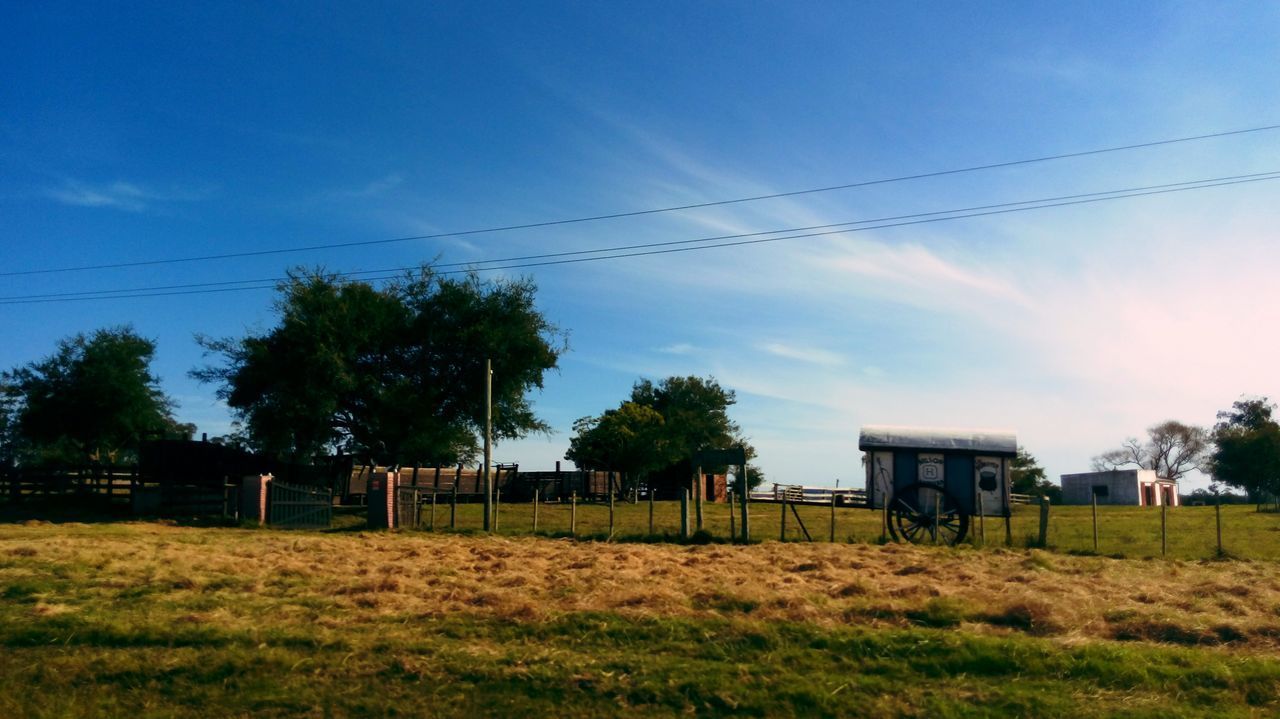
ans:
(990, 441)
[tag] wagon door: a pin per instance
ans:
(989, 480)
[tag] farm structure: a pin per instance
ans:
(1132, 487)
(172, 478)
(930, 481)
(507, 479)
(967, 463)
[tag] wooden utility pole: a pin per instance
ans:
(488, 438)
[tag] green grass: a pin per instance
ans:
(600, 664)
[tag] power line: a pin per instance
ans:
(475, 264)
(639, 213)
(672, 246)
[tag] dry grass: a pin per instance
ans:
(157, 620)
(230, 577)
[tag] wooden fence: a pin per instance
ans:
(799, 494)
(110, 483)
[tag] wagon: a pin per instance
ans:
(930, 482)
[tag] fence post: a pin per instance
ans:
(651, 510)
(1164, 529)
(884, 520)
(732, 529)
(453, 507)
(1008, 525)
(573, 514)
(696, 490)
(432, 526)
(684, 514)
(746, 497)
(833, 517)
(611, 514)
(1093, 501)
(497, 502)
(782, 532)
(982, 521)
(937, 517)
(1044, 522)
(536, 494)
(1217, 514)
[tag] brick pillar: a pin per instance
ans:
(253, 498)
(382, 500)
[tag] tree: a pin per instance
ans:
(630, 439)
(392, 374)
(1028, 477)
(9, 440)
(1246, 451)
(1172, 449)
(695, 415)
(95, 398)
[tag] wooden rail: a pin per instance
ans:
(799, 494)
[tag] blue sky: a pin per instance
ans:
(170, 130)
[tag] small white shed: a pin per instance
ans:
(1132, 487)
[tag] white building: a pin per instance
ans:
(1133, 487)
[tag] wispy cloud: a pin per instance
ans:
(679, 348)
(810, 355)
(374, 188)
(119, 195)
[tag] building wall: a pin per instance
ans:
(1124, 486)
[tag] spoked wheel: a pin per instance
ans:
(923, 513)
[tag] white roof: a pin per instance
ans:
(992, 441)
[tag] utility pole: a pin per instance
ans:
(488, 442)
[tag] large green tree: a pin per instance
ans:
(1246, 451)
(630, 439)
(694, 413)
(94, 398)
(393, 374)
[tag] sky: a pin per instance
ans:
(158, 131)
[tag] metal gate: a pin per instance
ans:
(408, 506)
(291, 506)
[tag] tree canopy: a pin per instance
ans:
(630, 439)
(94, 398)
(1028, 477)
(1172, 449)
(1246, 451)
(656, 431)
(393, 374)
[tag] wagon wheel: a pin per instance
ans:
(924, 513)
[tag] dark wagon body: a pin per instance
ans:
(971, 465)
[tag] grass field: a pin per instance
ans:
(151, 620)
(1123, 531)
